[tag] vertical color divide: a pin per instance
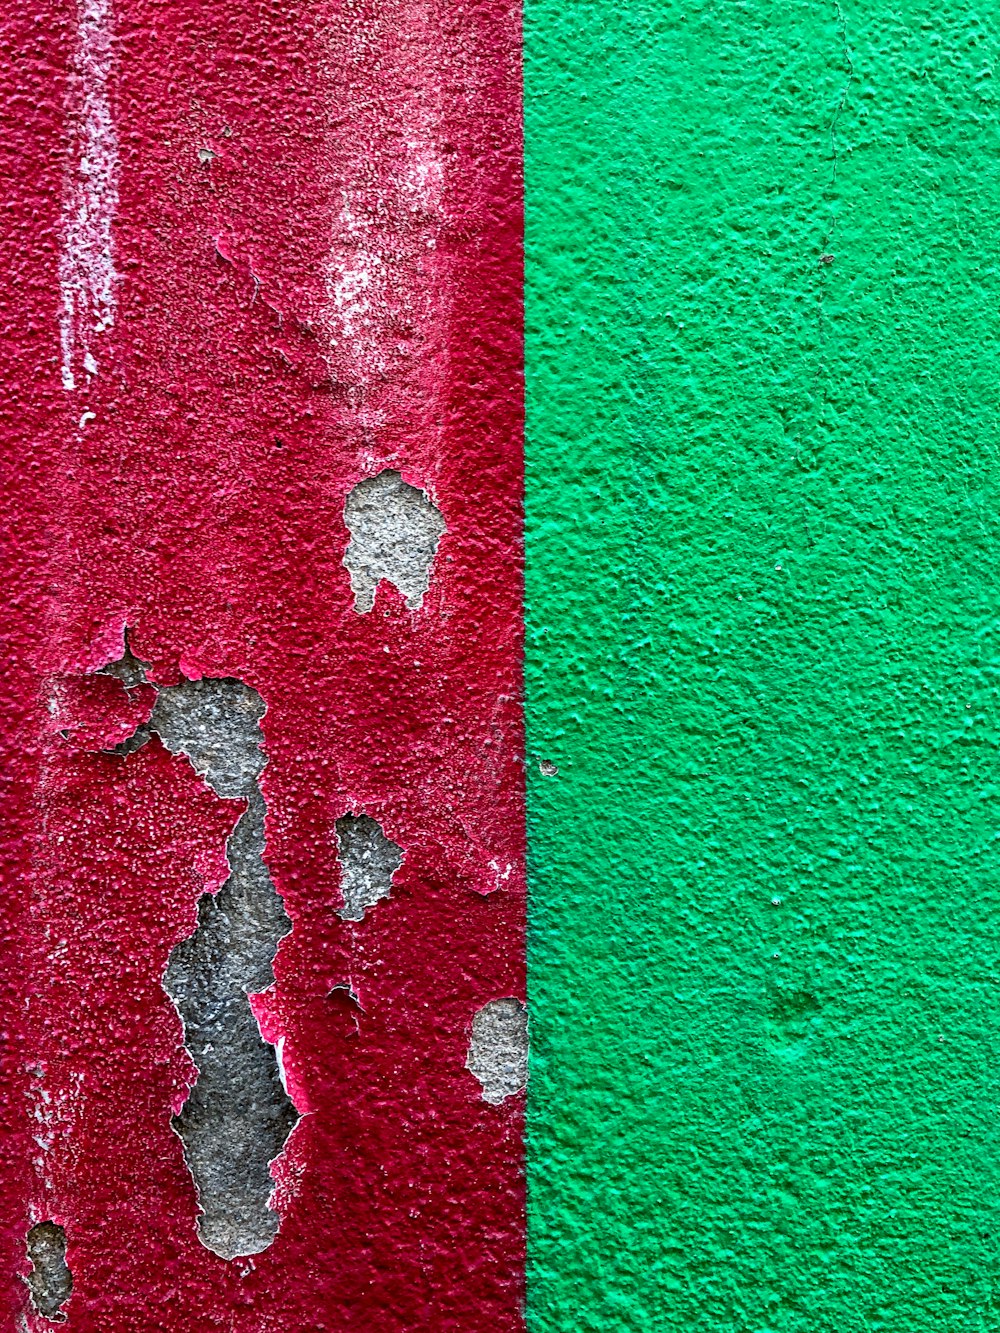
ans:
(763, 653)
(261, 406)
(263, 844)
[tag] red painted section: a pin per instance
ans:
(334, 291)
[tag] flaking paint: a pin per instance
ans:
(195, 494)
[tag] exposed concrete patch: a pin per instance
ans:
(498, 1049)
(50, 1281)
(216, 723)
(395, 529)
(368, 861)
(238, 1115)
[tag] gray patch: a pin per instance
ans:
(129, 669)
(498, 1050)
(238, 1116)
(394, 530)
(368, 861)
(50, 1281)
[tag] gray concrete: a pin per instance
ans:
(50, 1281)
(498, 1049)
(394, 530)
(368, 861)
(238, 1116)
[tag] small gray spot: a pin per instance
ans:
(498, 1050)
(50, 1281)
(547, 768)
(368, 861)
(395, 530)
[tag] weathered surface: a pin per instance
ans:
(50, 1281)
(498, 1049)
(395, 530)
(216, 724)
(368, 861)
(87, 275)
(238, 1116)
(131, 672)
(763, 541)
(315, 259)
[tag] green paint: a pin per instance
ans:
(764, 652)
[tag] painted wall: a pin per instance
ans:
(255, 261)
(762, 629)
(255, 257)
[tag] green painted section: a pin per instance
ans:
(763, 598)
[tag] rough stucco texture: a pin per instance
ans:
(764, 654)
(254, 256)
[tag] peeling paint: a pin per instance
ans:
(368, 861)
(127, 668)
(498, 1049)
(203, 507)
(395, 529)
(238, 1115)
(50, 1282)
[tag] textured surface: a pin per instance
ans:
(368, 861)
(498, 1048)
(763, 654)
(238, 1116)
(301, 239)
(395, 530)
(50, 1282)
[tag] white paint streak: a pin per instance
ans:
(86, 265)
(386, 295)
(56, 1119)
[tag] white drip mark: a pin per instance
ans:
(86, 265)
(385, 291)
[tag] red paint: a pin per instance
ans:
(336, 291)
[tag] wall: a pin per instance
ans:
(264, 853)
(762, 620)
